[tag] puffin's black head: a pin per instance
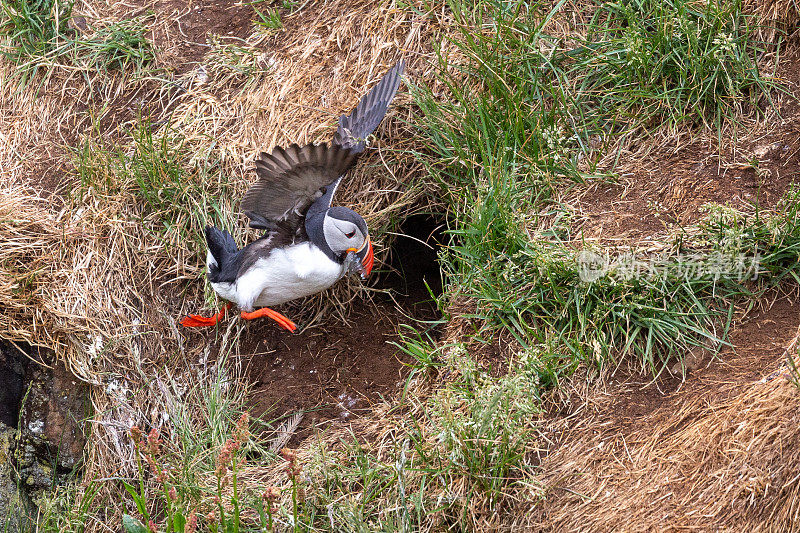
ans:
(345, 231)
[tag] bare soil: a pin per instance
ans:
(667, 186)
(334, 374)
(670, 187)
(194, 22)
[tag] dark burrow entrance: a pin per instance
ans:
(13, 364)
(339, 371)
(413, 269)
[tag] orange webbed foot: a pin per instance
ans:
(282, 321)
(197, 321)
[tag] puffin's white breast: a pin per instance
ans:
(286, 274)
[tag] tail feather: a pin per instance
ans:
(220, 247)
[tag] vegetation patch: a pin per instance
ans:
(525, 108)
(522, 104)
(647, 62)
(41, 35)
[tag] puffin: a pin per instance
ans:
(308, 244)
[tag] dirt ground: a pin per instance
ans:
(335, 374)
(664, 185)
(757, 345)
(192, 23)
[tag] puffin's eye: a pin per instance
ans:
(350, 235)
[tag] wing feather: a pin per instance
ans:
(354, 128)
(290, 179)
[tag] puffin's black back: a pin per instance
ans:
(232, 262)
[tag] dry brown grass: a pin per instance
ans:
(775, 18)
(725, 461)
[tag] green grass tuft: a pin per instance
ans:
(179, 194)
(521, 112)
(653, 61)
(35, 35)
(117, 46)
(32, 27)
(68, 508)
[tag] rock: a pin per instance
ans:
(15, 506)
(766, 150)
(694, 359)
(42, 413)
(79, 23)
(53, 414)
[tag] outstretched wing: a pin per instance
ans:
(354, 129)
(290, 179)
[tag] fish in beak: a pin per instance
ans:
(361, 260)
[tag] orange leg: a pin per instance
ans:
(282, 321)
(197, 321)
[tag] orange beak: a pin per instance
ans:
(369, 259)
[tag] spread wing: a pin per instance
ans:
(354, 129)
(290, 179)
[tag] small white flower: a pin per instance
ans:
(96, 346)
(724, 46)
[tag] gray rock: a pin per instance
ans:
(16, 507)
(52, 421)
(42, 413)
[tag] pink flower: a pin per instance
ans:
(293, 469)
(223, 460)
(153, 442)
(191, 524)
(271, 494)
(242, 431)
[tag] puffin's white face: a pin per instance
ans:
(345, 231)
(342, 235)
